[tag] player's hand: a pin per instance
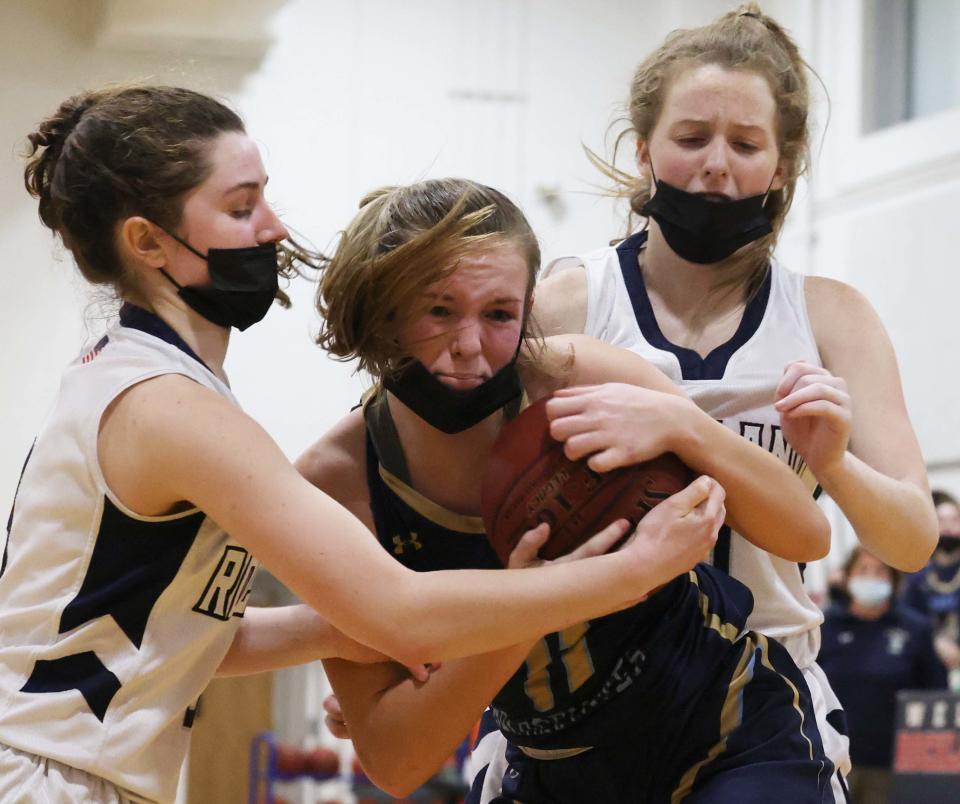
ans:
(334, 719)
(679, 532)
(815, 414)
(527, 551)
(614, 423)
(333, 714)
(948, 651)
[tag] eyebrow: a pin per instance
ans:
(448, 297)
(699, 121)
(246, 185)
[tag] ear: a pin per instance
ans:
(139, 240)
(779, 176)
(643, 156)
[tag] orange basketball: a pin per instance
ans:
(528, 480)
(291, 759)
(323, 761)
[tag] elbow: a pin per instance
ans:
(393, 777)
(808, 552)
(909, 566)
(415, 651)
(811, 541)
(818, 545)
(917, 558)
(923, 541)
(919, 545)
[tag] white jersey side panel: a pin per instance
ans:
(742, 399)
(111, 623)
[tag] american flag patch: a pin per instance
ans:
(95, 350)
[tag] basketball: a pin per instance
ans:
(291, 759)
(323, 761)
(529, 480)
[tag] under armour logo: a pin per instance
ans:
(400, 544)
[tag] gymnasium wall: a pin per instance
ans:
(344, 96)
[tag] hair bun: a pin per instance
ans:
(373, 195)
(53, 131)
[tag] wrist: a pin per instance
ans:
(317, 639)
(637, 580)
(688, 434)
(832, 477)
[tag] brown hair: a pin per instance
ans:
(855, 553)
(744, 39)
(402, 240)
(112, 153)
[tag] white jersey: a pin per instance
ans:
(735, 383)
(111, 623)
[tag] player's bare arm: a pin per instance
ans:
(642, 414)
(282, 636)
(229, 466)
(880, 482)
(386, 710)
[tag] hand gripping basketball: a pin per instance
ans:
(529, 480)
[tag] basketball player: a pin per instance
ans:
(121, 593)
(430, 288)
(799, 365)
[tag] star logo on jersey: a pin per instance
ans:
(400, 544)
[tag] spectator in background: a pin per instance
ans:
(935, 590)
(872, 648)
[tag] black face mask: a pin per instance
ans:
(949, 543)
(704, 231)
(243, 284)
(449, 410)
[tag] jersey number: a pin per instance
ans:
(569, 648)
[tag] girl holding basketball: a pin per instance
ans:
(430, 287)
(130, 545)
(800, 365)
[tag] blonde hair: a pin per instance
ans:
(744, 39)
(402, 240)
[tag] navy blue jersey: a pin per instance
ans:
(867, 662)
(659, 700)
(419, 533)
(585, 685)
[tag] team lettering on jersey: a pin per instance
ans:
(625, 672)
(770, 437)
(227, 590)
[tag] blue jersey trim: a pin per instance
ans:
(137, 318)
(13, 505)
(692, 365)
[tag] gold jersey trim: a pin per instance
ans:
(553, 753)
(441, 516)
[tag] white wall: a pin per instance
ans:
(883, 218)
(349, 96)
